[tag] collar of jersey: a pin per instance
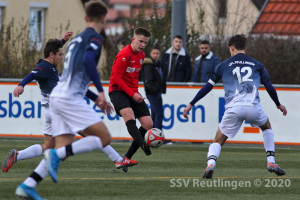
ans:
(132, 49)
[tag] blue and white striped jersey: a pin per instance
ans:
(74, 80)
(241, 76)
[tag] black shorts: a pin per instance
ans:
(121, 100)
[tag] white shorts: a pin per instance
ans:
(47, 125)
(71, 116)
(234, 117)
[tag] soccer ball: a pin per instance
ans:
(154, 137)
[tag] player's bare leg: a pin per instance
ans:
(270, 149)
(113, 155)
(108, 150)
(98, 137)
(214, 151)
(49, 142)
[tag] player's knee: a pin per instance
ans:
(147, 124)
(127, 115)
(266, 126)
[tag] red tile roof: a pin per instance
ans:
(112, 14)
(280, 17)
(125, 13)
(111, 25)
(131, 2)
(135, 2)
(157, 1)
(147, 12)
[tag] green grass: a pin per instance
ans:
(92, 175)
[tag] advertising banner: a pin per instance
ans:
(23, 115)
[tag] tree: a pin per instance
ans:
(154, 19)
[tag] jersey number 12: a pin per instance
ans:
(245, 78)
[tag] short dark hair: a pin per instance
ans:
(178, 36)
(123, 42)
(156, 46)
(238, 41)
(142, 31)
(52, 45)
(205, 42)
(95, 10)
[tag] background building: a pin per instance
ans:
(44, 18)
(50, 18)
(226, 17)
(279, 17)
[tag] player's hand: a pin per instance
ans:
(109, 109)
(105, 106)
(138, 97)
(67, 35)
(186, 110)
(18, 91)
(282, 109)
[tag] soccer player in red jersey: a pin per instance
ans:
(123, 90)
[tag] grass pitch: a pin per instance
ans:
(171, 172)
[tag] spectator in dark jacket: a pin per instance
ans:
(176, 62)
(205, 63)
(155, 85)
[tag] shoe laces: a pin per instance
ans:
(272, 165)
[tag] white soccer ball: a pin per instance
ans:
(154, 137)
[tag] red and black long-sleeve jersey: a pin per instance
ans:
(125, 71)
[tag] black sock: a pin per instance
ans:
(69, 150)
(134, 146)
(36, 177)
(142, 131)
(134, 132)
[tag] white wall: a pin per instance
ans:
(23, 116)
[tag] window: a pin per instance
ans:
(36, 27)
(222, 8)
(1, 20)
(37, 24)
(121, 6)
(3, 4)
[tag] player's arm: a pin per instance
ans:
(121, 64)
(39, 73)
(91, 95)
(20, 88)
(90, 66)
(204, 91)
(273, 94)
(66, 37)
